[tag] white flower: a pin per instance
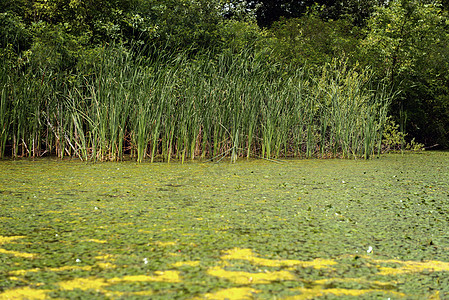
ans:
(145, 260)
(78, 260)
(370, 249)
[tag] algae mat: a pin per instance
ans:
(302, 229)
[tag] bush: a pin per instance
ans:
(312, 41)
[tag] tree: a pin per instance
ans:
(407, 43)
(13, 32)
(313, 41)
(269, 11)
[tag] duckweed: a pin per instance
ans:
(301, 229)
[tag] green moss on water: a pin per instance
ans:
(322, 228)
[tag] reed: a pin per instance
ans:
(5, 111)
(209, 106)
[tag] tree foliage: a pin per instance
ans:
(407, 43)
(270, 11)
(313, 41)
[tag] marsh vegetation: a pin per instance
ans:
(161, 80)
(232, 105)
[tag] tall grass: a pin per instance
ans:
(5, 110)
(175, 107)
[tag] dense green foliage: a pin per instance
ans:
(60, 58)
(408, 42)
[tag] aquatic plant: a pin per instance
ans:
(235, 105)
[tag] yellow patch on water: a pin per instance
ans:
(165, 244)
(59, 269)
(112, 294)
(17, 254)
(435, 296)
(84, 284)
(105, 265)
(413, 267)
(380, 284)
(96, 241)
(319, 292)
(247, 254)
(24, 293)
(99, 284)
(231, 294)
(105, 257)
(13, 278)
(54, 212)
(9, 239)
(240, 277)
(24, 272)
(186, 263)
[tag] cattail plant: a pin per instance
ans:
(179, 107)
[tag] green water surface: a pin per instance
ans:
(300, 229)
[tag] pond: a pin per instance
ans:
(297, 229)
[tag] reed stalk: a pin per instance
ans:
(233, 105)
